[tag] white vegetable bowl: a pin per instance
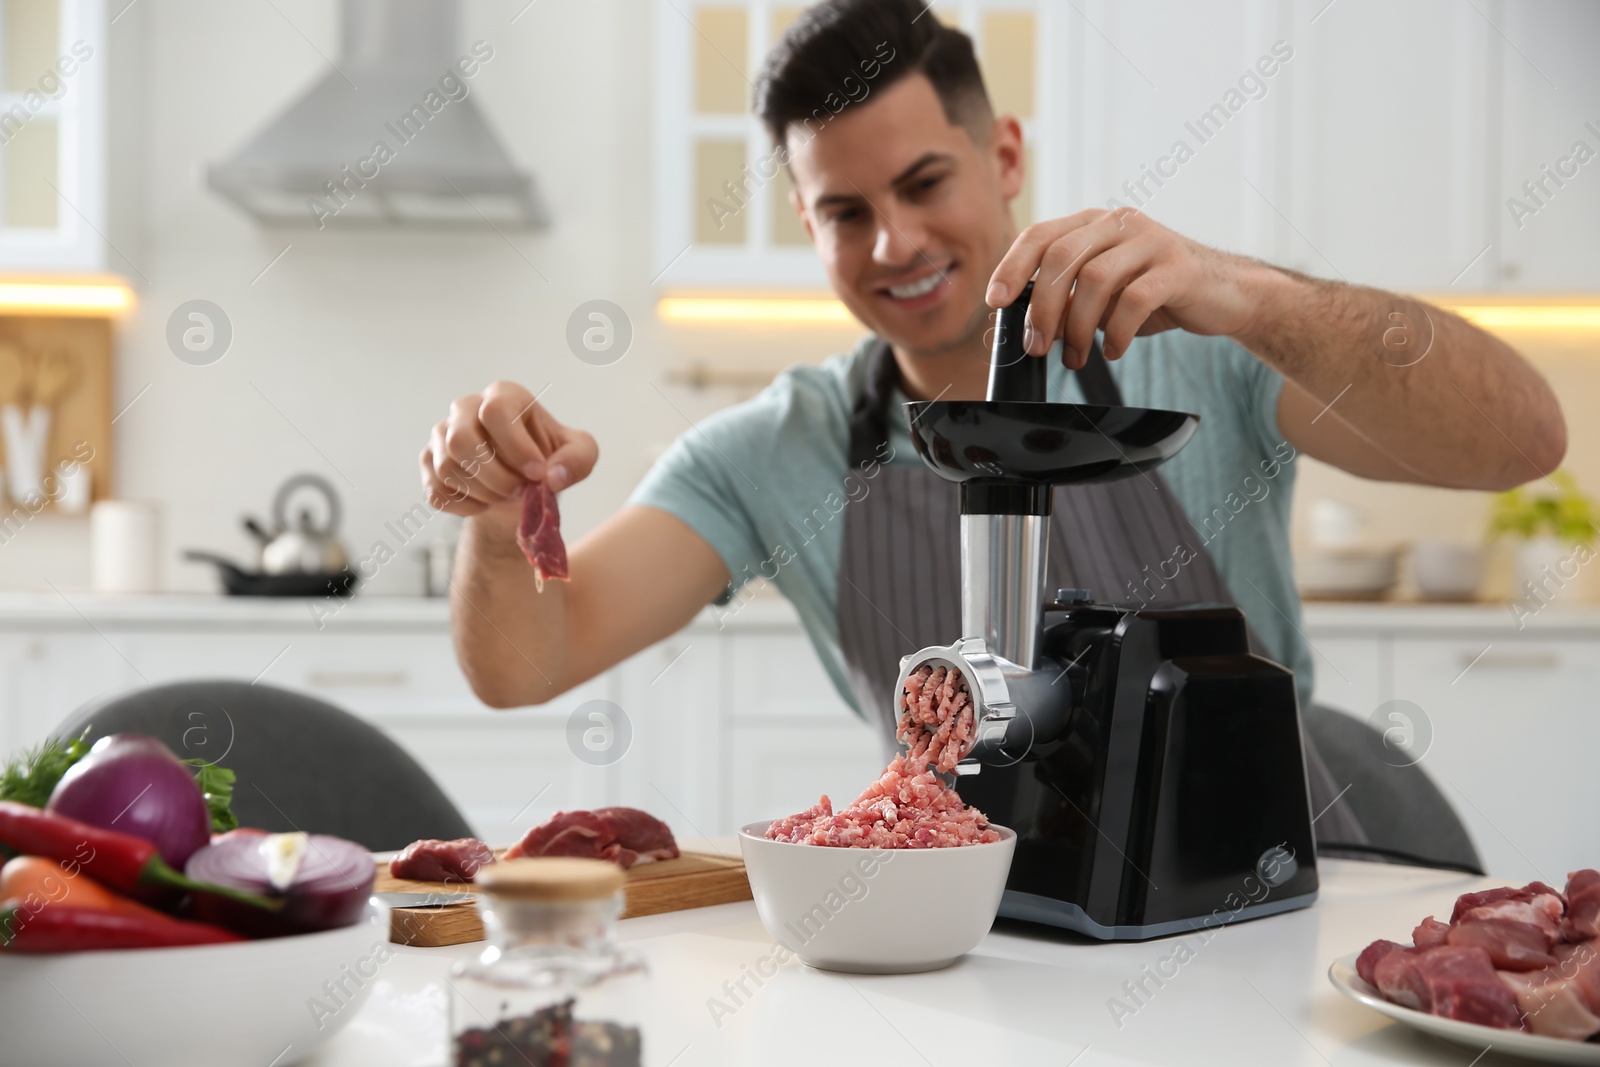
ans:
(876, 911)
(254, 1002)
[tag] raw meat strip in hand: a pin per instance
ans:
(432, 860)
(539, 534)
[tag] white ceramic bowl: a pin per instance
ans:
(254, 1002)
(870, 911)
(1446, 571)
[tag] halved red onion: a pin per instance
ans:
(323, 881)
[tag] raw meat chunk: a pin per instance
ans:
(1528, 894)
(1398, 979)
(432, 860)
(1552, 1005)
(1368, 960)
(539, 533)
(1462, 985)
(642, 832)
(625, 836)
(1430, 933)
(1512, 946)
(1583, 905)
(1581, 964)
(909, 806)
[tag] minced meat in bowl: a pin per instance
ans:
(909, 806)
(904, 878)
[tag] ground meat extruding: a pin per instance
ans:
(909, 806)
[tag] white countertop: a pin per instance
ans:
(73, 609)
(1256, 995)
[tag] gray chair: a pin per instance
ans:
(1404, 814)
(302, 764)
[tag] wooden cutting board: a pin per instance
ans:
(693, 880)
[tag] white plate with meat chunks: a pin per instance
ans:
(1516, 968)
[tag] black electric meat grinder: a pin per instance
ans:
(1150, 763)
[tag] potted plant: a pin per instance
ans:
(1555, 523)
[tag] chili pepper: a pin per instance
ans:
(121, 861)
(30, 878)
(59, 928)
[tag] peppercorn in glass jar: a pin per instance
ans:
(552, 989)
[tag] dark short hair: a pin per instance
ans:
(839, 51)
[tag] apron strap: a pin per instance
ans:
(869, 418)
(1099, 387)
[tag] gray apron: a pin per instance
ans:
(900, 568)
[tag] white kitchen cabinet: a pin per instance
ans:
(1513, 743)
(1349, 671)
(1388, 182)
(672, 695)
(53, 135)
(1549, 102)
(45, 676)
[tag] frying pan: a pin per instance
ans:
(240, 582)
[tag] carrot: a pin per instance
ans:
(39, 881)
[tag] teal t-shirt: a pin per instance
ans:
(767, 482)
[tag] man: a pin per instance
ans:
(813, 484)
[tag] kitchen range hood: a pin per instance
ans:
(392, 135)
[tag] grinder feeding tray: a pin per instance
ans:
(1150, 764)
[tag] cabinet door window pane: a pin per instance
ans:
(782, 18)
(1007, 59)
(720, 82)
(30, 171)
(30, 35)
(719, 216)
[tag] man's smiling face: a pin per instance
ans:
(908, 213)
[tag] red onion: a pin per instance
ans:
(134, 784)
(325, 889)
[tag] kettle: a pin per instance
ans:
(305, 547)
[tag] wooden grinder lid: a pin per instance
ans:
(551, 878)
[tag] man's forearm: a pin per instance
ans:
(1449, 403)
(508, 635)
